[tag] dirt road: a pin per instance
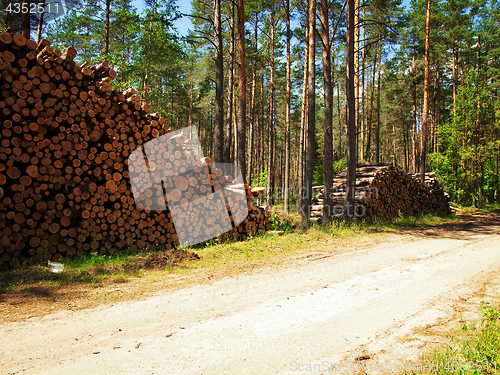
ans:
(327, 307)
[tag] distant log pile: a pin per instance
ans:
(64, 143)
(383, 190)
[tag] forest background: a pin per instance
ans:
(265, 82)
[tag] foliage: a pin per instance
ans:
(339, 165)
(475, 349)
(469, 143)
(144, 48)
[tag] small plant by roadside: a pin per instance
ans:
(122, 275)
(474, 350)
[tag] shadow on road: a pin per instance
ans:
(468, 227)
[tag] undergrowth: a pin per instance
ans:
(287, 237)
(474, 349)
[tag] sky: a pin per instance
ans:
(184, 23)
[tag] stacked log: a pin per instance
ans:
(385, 191)
(257, 218)
(65, 139)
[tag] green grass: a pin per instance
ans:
(91, 269)
(487, 207)
(475, 348)
(94, 270)
(492, 207)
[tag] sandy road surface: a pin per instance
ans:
(324, 307)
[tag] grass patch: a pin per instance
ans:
(92, 271)
(475, 348)
(487, 207)
(94, 268)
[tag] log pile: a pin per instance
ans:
(385, 191)
(65, 139)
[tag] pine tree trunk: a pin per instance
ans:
(40, 23)
(106, 28)
(425, 121)
(370, 112)
(242, 97)
(190, 113)
(405, 146)
(234, 122)
(287, 111)
(438, 109)
(455, 81)
(271, 139)
(356, 71)
(219, 87)
(328, 115)
(303, 120)
(311, 121)
(339, 150)
(434, 112)
(25, 19)
(388, 145)
(496, 179)
(364, 156)
(414, 131)
(395, 154)
(251, 129)
(228, 136)
(262, 122)
(377, 125)
(351, 113)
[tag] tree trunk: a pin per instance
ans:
(364, 156)
(228, 137)
(40, 24)
(262, 122)
(425, 120)
(287, 111)
(339, 150)
(496, 178)
(328, 114)
(106, 28)
(271, 139)
(377, 125)
(234, 122)
(219, 87)
(370, 112)
(356, 71)
(455, 81)
(351, 114)
(311, 121)
(25, 19)
(387, 144)
(405, 146)
(438, 110)
(303, 119)
(190, 113)
(242, 84)
(394, 150)
(414, 131)
(251, 130)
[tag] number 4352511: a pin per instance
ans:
(464, 366)
(32, 8)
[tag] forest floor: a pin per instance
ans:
(381, 297)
